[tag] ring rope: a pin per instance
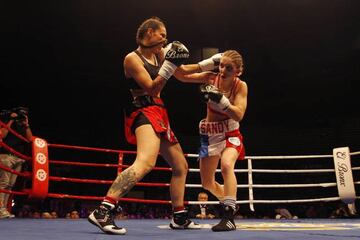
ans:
(102, 165)
(14, 132)
(244, 171)
(23, 174)
(14, 152)
(90, 148)
(250, 158)
(198, 170)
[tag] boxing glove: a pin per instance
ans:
(212, 93)
(175, 54)
(210, 63)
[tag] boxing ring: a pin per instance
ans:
(254, 191)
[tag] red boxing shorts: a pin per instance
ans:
(216, 136)
(158, 118)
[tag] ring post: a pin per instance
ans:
(40, 166)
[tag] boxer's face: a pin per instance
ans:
(158, 36)
(227, 68)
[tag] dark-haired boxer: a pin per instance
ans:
(220, 138)
(147, 70)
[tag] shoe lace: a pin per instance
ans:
(107, 214)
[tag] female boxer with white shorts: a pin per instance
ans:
(220, 138)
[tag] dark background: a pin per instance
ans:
(63, 60)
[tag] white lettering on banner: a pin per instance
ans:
(344, 177)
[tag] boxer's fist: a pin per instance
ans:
(176, 53)
(211, 63)
(212, 93)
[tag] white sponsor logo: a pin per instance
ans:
(41, 158)
(235, 141)
(41, 175)
(344, 177)
(39, 142)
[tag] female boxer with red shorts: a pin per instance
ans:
(147, 70)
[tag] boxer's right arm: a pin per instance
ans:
(211, 63)
(205, 65)
(203, 77)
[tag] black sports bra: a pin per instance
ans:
(151, 69)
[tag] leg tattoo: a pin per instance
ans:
(123, 183)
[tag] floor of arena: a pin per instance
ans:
(63, 229)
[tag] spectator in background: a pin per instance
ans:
(74, 214)
(54, 214)
(343, 211)
(46, 215)
(17, 120)
(202, 211)
(283, 213)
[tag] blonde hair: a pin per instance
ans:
(236, 58)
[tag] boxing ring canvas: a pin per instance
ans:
(80, 229)
(31, 229)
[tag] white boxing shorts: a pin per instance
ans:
(216, 136)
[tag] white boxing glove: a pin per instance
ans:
(210, 63)
(224, 103)
(167, 69)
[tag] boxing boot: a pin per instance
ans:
(103, 217)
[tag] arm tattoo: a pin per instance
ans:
(123, 183)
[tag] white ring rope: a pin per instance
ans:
(329, 199)
(273, 185)
(283, 157)
(251, 185)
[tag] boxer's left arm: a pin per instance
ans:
(187, 69)
(237, 110)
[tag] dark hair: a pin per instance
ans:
(153, 22)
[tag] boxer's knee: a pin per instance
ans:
(143, 166)
(180, 169)
(227, 168)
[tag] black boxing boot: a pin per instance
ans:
(227, 221)
(103, 217)
(181, 220)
